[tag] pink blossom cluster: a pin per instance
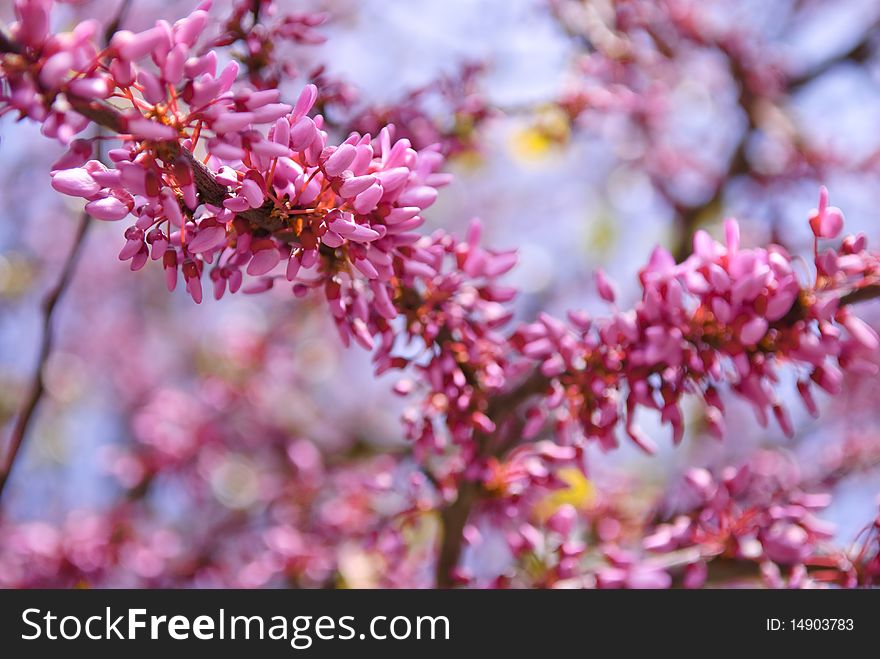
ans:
(727, 314)
(454, 309)
(262, 497)
(339, 214)
(257, 29)
(751, 524)
(331, 215)
(49, 75)
(754, 514)
(316, 522)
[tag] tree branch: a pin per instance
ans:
(453, 519)
(503, 407)
(7, 45)
(454, 516)
(858, 53)
(688, 218)
(863, 294)
(37, 386)
(210, 191)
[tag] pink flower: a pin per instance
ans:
(339, 159)
(108, 208)
(605, 287)
(306, 100)
(209, 237)
(826, 221)
(353, 186)
(150, 130)
(420, 196)
(75, 182)
(366, 201)
(302, 133)
(131, 46)
(252, 193)
(97, 88)
(56, 69)
(265, 258)
(753, 331)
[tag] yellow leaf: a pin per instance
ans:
(579, 492)
(549, 130)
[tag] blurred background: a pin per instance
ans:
(204, 445)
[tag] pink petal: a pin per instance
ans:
(863, 333)
(150, 130)
(232, 122)
(131, 46)
(302, 134)
(75, 182)
(187, 30)
(194, 288)
(252, 192)
(355, 185)
(605, 287)
(367, 200)
(421, 196)
(263, 261)
(208, 239)
(402, 214)
(91, 87)
(366, 268)
(260, 98)
(731, 234)
(339, 160)
(56, 69)
(108, 208)
(270, 112)
(753, 331)
(306, 100)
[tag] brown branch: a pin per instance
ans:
(454, 516)
(7, 45)
(689, 218)
(501, 409)
(863, 294)
(858, 53)
(37, 386)
(210, 191)
(53, 297)
(453, 519)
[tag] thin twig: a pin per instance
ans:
(863, 294)
(37, 386)
(114, 25)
